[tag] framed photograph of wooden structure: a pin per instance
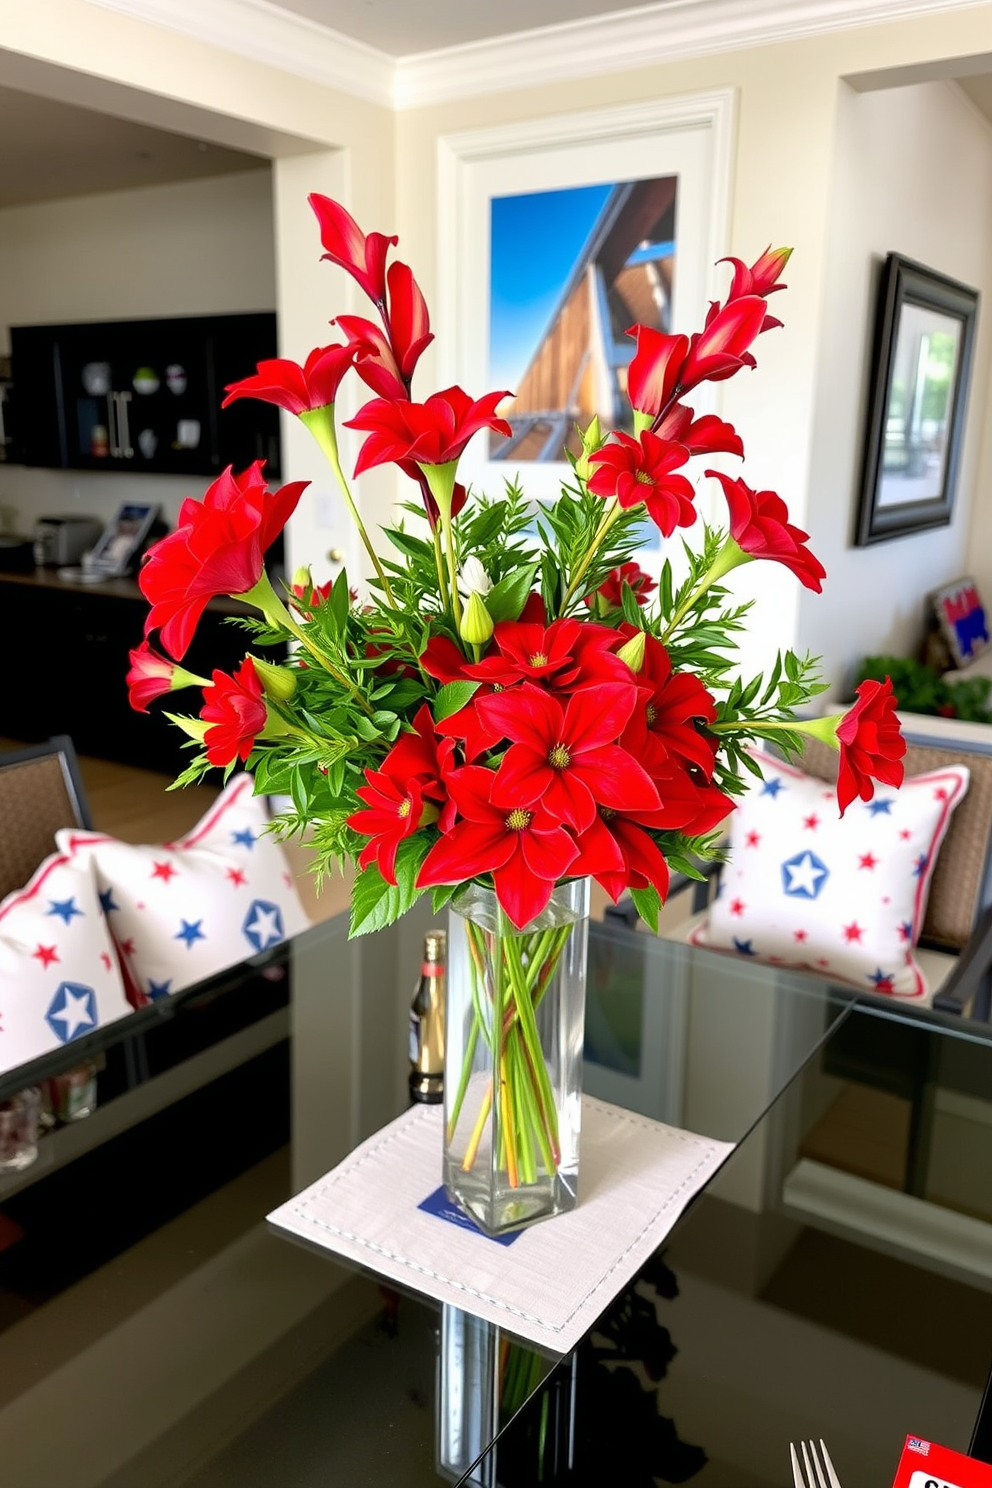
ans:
(570, 271)
(921, 364)
(558, 234)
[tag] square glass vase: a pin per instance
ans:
(513, 1057)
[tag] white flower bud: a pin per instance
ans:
(473, 579)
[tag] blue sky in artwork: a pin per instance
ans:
(534, 242)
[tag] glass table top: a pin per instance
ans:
(835, 1278)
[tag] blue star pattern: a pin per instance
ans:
(72, 1011)
(878, 808)
(883, 980)
(744, 947)
(107, 901)
(920, 864)
(246, 837)
(66, 909)
(157, 990)
(772, 787)
(263, 925)
(190, 932)
(804, 876)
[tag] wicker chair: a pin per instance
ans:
(40, 791)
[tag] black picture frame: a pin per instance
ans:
(918, 394)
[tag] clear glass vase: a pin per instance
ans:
(513, 1057)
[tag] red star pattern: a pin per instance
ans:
(752, 839)
(107, 963)
(800, 935)
(822, 961)
(905, 834)
(237, 877)
(127, 946)
(853, 932)
(737, 907)
(45, 954)
(940, 794)
(811, 822)
(164, 871)
(867, 860)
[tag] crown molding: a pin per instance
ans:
(266, 33)
(645, 36)
(634, 38)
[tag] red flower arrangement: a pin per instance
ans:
(502, 709)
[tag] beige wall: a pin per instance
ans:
(913, 174)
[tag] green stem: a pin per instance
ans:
(824, 729)
(610, 515)
(730, 556)
(320, 422)
(449, 542)
(263, 597)
(439, 565)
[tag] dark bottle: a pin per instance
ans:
(427, 1024)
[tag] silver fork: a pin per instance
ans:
(819, 1470)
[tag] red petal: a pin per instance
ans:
(520, 892)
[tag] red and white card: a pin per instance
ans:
(924, 1464)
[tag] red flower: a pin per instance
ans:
(688, 803)
(373, 356)
(236, 709)
(295, 388)
(641, 861)
(307, 597)
(564, 655)
(567, 758)
(670, 708)
(636, 470)
(423, 757)
(524, 849)
(654, 372)
(642, 586)
(721, 349)
(150, 676)
(217, 548)
(763, 275)
(431, 433)
(870, 744)
(396, 810)
(364, 258)
(409, 322)
(708, 435)
(759, 526)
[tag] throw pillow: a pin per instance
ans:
(185, 910)
(59, 978)
(845, 896)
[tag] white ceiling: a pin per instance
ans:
(404, 27)
(50, 150)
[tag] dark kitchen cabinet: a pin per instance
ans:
(69, 678)
(142, 396)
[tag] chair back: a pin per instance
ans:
(40, 791)
(962, 880)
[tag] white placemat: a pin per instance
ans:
(551, 1283)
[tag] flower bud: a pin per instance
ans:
(278, 682)
(302, 581)
(473, 579)
(477, 623)
(632, 651)
(592, 440)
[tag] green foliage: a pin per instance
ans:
(920, 689)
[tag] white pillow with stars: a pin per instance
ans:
(185, 910)
(59, 978)
(845, 896)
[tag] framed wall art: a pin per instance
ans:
(918, 393)
(555, 236)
